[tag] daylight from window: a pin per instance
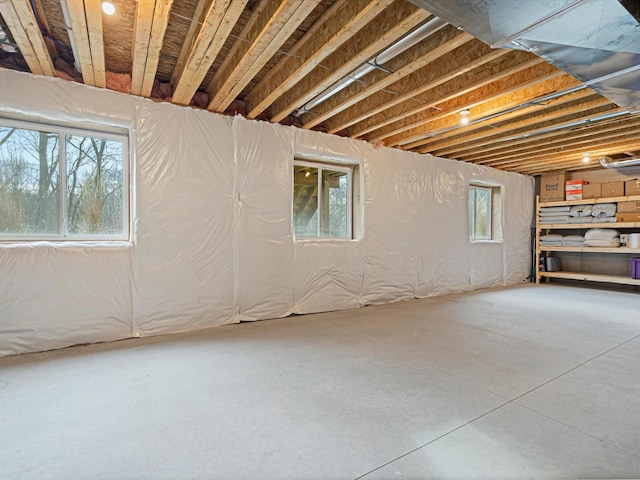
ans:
(61, 184)
(321, 201)
(480, 213)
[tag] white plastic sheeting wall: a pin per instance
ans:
(212, 241)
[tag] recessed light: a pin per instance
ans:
(108, 8)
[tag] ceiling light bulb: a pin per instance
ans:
(465, 117)
(108, 8)
(585, 158)
(307, 174)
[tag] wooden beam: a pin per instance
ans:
(574, 153)
(516, 106)
(93, 13)
(267, 31)
(24, 29)
(143, 23)
(152, 18)
(521, 121)
(337, 25)
(495, 79)
(392, 24)
(450, 125)
(574, 149)
(190, 38)
(533, 144)
(605, 148)
(86, 23)
(565, 145)
(219, 21)
(557, 117)
(81, 36)
(44, 25)
(408, 62)
(458, 62)
(573, 159)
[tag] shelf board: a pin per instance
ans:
(565, 248)
(567, 226)
(591, 201)
(591, 277)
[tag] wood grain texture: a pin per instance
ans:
(24, 29)
(218, 22)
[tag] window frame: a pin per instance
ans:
(494, 212)
(322, 165)
(472, 213)
(63, 130)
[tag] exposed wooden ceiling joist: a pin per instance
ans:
(448, 133)
(266, 32)
(564, 138)
(152, 17)
(611, 145)
(22, 23)
(86, 23)
(335, 27)
(573, 159)
(218, 23)
(555, 149)
(551, 118)
(505, 74)
(382, 109)
(527, 119)
(405, 64)
(496, 110)
(390, 25)
(189, 40)
(271, 58)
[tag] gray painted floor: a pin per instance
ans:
(525, 382)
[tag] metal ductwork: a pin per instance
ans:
(607, 162)
(595, 41)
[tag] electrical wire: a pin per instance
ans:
(237, 37)
(45, 32)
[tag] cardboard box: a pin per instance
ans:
(613, 189)
(592, 190)
(552, 187)
(632, 187)
(573, 189)
(629, 207)
(628, 217)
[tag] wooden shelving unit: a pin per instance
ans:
(592, 277)
(626, 227)
(546, 248)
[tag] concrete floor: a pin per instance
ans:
(538, 382)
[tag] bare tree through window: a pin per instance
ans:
(61, 184)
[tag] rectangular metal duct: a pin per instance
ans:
(595, 41)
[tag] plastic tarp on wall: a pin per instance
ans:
(212, 239)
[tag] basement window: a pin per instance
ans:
(485, 213)
(62, 183)
(322, 200)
